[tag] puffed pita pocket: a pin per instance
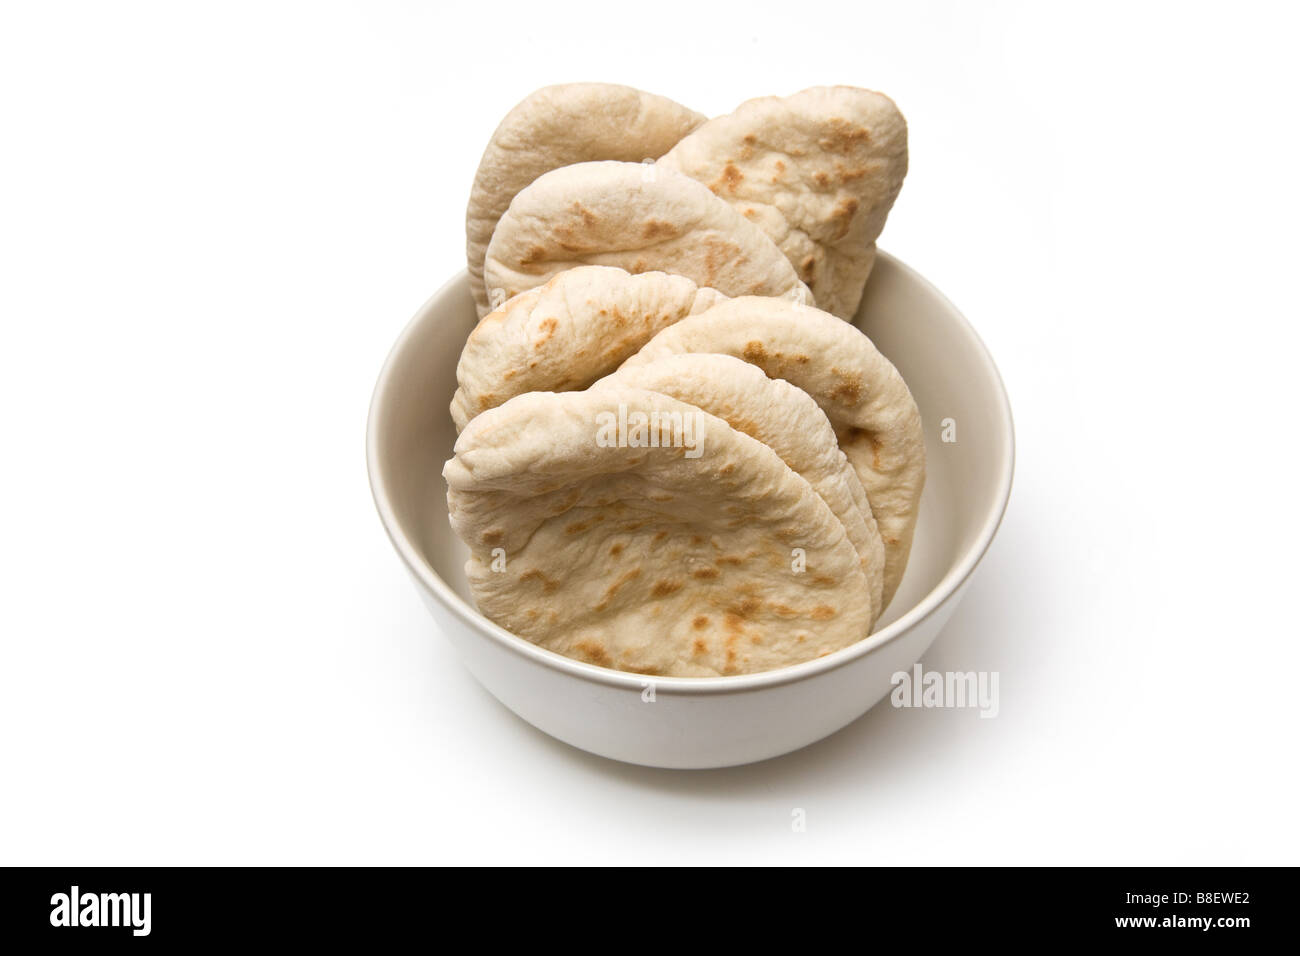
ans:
(636, 217)
(564, 335)
(642, 558)
(868, 403)
(559, 126)
(818, 171)
(784, 418)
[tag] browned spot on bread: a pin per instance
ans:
(808, 269)
(547, 328)
(701, 622)
(847, 393)
(824, 581)
(843, 136)
(616, 550)
(697, 539)
(745, 425)
(626, 576)
(730, 180)
(780, 166)
(510, 373)
(847, 176)
(493, 536)
(659, 536)
(548, 586)
(660, 498)
(589, 218)
(613, 588)
(486, 399)
(745, 609)
(784, 610)
(843, 214)
(533, 255)
(856, 436)
(731, 559)
(727, 469)
(578, 527)
(705, 574)
(701, 646)
(754, 352)
(658, 229)
(593, 652)
(849, 390)
(823, 612)
(750, 212)
(665, 588)
(718, 253)
(821, 179)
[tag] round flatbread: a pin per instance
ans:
(782, 417)
(638, 218)
(869, 405)
(564, 335)
(818, 172)
(558, 126)
(703, 556)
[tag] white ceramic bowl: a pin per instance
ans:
(718, 721)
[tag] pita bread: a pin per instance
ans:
(644, 559)
(786, 420)
(817, 171)
(558, 126)
(566, 334)
(869, 405)
(638, 218)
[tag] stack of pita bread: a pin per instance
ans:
(676, 456)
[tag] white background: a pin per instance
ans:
(215, 219)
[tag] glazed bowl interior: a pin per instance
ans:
(966, 416)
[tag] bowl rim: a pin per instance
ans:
(947, 586)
